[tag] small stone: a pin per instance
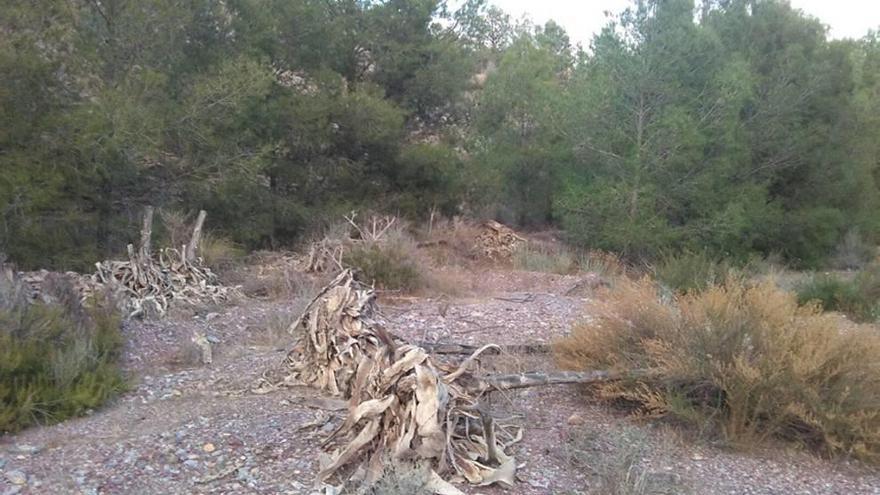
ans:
(12, 490)
(697, 456)
(539, 483)
(2, 463)
(16, 477)
(191, 463)
(28, 449)
(209, 447)
(576, 420)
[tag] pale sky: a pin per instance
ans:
(583, 18)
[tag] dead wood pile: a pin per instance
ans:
(150, 283)
(498, 241)
(146, 284)
(403, 404)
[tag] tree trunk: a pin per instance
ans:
(195, 242)
(146, 234)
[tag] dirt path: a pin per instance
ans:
(190, 430)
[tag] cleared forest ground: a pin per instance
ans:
(188, 428)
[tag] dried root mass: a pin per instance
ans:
(150, 285)
(403, 404)
(144, 284)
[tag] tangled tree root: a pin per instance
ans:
(149, 284)
(145, 284)
(404, 405)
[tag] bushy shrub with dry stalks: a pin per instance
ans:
(391, 262)
(745, 358)
(608, 265)
(450, 242)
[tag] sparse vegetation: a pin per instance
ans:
(402, 478)
(692, 270)
(541, 258)
(58, 359)
(746, 359)
(219, 253)
(617, 464)
(857, 296)
(608, 265)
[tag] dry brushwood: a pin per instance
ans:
(325, 255)
(404, 405)
(498, 242)
(374, 229)
(151, 283)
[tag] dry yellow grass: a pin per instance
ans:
(744, 358)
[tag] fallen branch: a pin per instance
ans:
(535, 379)
(453, 348)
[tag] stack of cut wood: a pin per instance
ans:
(498, 241)
(404, 405)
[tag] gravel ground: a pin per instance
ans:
(187, 428)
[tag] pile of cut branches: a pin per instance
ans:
(498, 242)
(404, 405)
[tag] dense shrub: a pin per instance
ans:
(745, 359)
(57, 358)
(391, 263)
(857, 296)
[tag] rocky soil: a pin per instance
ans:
(188, 428)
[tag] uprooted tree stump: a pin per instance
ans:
(404, 405)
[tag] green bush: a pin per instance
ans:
(57, 359)
(745, 360)
(390, 265)
(858, 297)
